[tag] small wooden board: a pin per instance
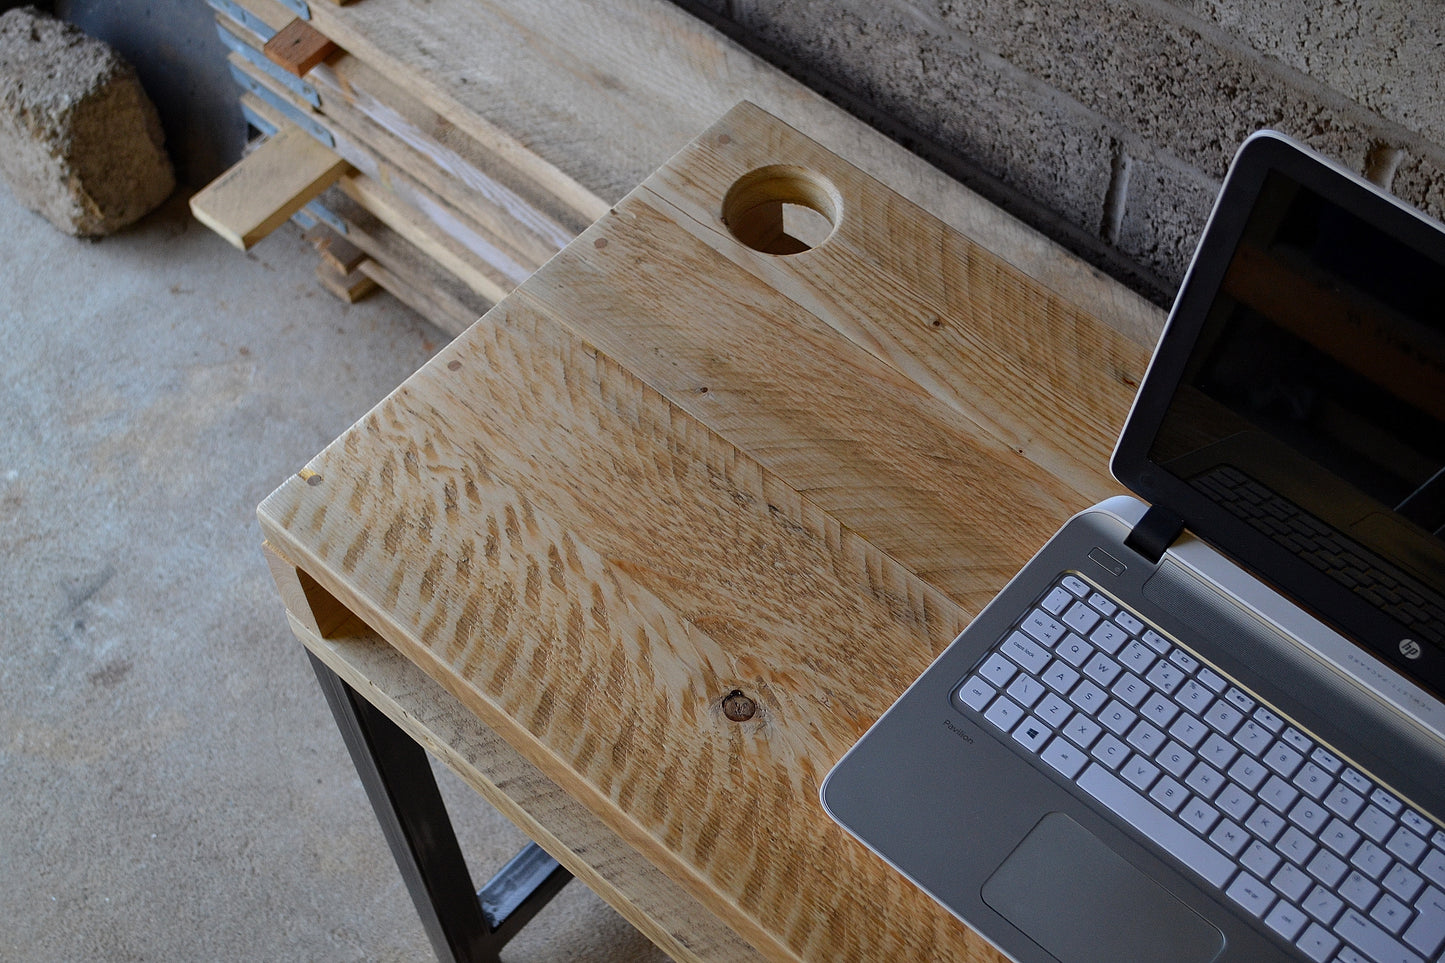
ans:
(298, 46)
(263, 189)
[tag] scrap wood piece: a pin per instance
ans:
(349, 286)
(261, 191)
(298, 46)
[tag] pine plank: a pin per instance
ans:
(262, 190)
(590, 553)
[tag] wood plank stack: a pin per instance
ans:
(483, 135)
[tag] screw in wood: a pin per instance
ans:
(738, 707)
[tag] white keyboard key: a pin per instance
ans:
(1025, 690)
(1076, 585)
(1102, 605)
(1370, 860)
(1081, 618)
(1259, 859)
(1229, 837)
(1088, 697)
(1169, 794)
(1212, 680)
(1056, 601)
(1295, 846)
(1004, 714)
(997, 670)
(1291, 882)
(1253, 738)
(1140, 772)
(1064, 756)
(1074, 650)
(1299, 740)
(1391, 914)
(1285, 920)
(1083, 730)
(1043, 627)
(1117, 717)
(1179, 657)
(1312, 780)
(1283, 759)
(1428, 931)
(1254, 897)
(1108, 637)
(1146, 737)
(1386, 802)
(1358, 890)
(1374, 942)
(1309, 815)
(1326, 760)
(1199, 816)
(1406, 845)
(1323, 905)
(1417, 823)
(976, 693)
(1218, 751)
(1110, 751)
(1159, 710)
(1026, 652)
(1060, 677)
(1157, 642)
(1053, 711)
(1340, 837)
(1344, 801)
(1268, 719)
(1328, 868)
(1129, 622)
(1175, 759)
(1403, 883)
(1102, 669)
(1433, 866)
(1317, 943)
(1162, 829)
(1374, 824)
(1248, 772)
(1165, 676)
(1357, 782)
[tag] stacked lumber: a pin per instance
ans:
(480, 136)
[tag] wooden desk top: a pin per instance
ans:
(671, 467)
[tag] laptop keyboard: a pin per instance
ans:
(1317, 851)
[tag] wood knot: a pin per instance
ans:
(738, 707)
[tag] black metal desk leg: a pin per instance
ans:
(463, 925)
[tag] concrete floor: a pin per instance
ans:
(171, 784)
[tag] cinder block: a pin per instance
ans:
(80, 143)
(1165, 210)
(1384, 56)
(1421, 182)
(1159, 76)
(1000, 120)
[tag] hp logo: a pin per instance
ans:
(1410, 649)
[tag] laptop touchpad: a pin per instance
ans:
(1082, 902)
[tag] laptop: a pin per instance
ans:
(1208, 722)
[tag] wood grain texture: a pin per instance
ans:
(660, 472)
(438, 721)
(263, 189)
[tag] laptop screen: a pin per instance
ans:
(1296, 407)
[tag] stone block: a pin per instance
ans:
(998, 119)
(80, 143)
(1421, 182)
(1176, 83)
(1165, 208)
(1384, 56)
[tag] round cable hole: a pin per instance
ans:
(781, 209)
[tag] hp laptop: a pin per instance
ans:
(1207, 723)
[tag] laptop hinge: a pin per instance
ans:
(1155, 532)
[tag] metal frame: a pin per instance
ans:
(463, 924)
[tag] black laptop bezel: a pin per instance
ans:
(1262, 154)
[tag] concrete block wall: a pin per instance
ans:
(1109, 124)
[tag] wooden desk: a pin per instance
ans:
(670, 469)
